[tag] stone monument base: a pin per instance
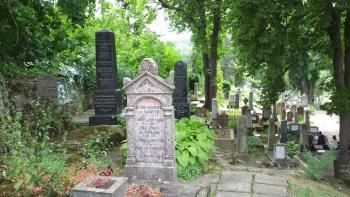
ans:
(151, 172)
(103, 119)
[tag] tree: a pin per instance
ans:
(205, 19)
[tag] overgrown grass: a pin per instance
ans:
(303, 187)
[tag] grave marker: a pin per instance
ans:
(180, 102)
(284, 132)
(251, 100)
(241, 140)
(214, 108)
(108, 98)
(271, 135)
(150, 125)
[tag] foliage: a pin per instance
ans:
(123, 152)
(98, 144)
(254, 146)
(194, 143)
(316, 167)
(293, 148)
(233, 116)
(120, 119)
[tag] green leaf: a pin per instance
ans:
(183, 158)
(192, 150)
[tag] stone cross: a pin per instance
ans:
(241, 140)
(150, 125)
(180, 102)
(108, 98)
(214, 108)
(272, 131)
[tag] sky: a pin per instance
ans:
(161, 26)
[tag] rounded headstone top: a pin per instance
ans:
(105, 30)
(149, 65)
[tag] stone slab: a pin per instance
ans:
(235, 176)
(225, 144)
(231, 194)
(271, 190)
(271, 180)
(235, 186)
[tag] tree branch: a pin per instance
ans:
(168, 6)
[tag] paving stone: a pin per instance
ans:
(234, 186)
(271, 180)
(232, 194)
(236, 176)
(270, 190)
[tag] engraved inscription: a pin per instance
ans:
(149, 134)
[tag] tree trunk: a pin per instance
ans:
(347, 48)
(338, 75)
(207, 103)
(203, 42)
(214, 49)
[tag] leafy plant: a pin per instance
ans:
(123, 152)
(120, 119)
(293, 148)
(316, 167)
(194, 143)
(255, 146)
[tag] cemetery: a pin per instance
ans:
(170, 98)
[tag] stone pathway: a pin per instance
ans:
(247, 184)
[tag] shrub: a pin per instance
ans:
(254, 146)
(194, 144)
(316, 167)
(293, 148)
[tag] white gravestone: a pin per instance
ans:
(150, 125)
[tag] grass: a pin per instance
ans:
(303, 187)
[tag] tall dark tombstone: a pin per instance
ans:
(251, 100)
(180, 102)
(237, 100)
(108, 98)
(284, 132)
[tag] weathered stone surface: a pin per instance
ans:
(251, 100)
(271, 180)
(284, 132)
(271, 190)
(237, 176)
(180, 102)
(47, 88)
(232, 101)
(214, 108)
(224, 133)
(195, 92)
(271, 137)
(283, 113)
(150, 126)
(304, 100)
(237, 99)
(222, 120)
(108, 98)
(235, 186)
(232, 194)
(241, 140)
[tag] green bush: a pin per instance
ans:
(254, 147)
(317, 166)
(194, 144)
(293, 148)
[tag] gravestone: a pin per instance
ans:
(180, 102)
(266, 113)
(300, 111)
(231, 101)
(280, 106)
(284, 114)
(251, 100)
(304, 100)
(284, 132)
(314, 129)
(294, 128)
(222, 120)
(304, 139)
(272, 132)
(195, 92)
(150, 125)
(249, 118)
(237, 100)
(214, 108)
(307, 121)
(289, 116)
(108, 98)
(255, 118)
(241, 140)
(47, 88)
(293, 108)
(274, 111)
